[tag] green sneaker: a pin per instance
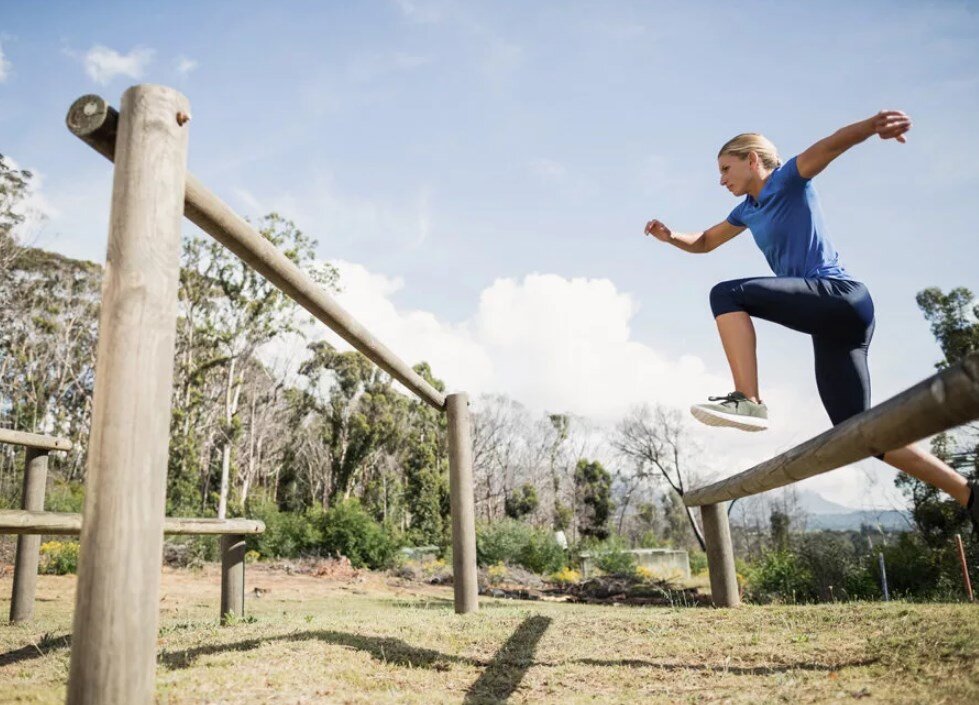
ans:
(734, 410)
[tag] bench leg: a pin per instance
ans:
(720, 556)
(232, 578)
(29, 545)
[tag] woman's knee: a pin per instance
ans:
(724, 298)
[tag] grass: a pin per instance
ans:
(308, 640)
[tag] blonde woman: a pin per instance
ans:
(811, 291)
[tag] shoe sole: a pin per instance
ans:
(716, 418)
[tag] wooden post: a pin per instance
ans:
(29, 547)
(720, 556)
(965, 568)
(883, 577)
(462, 504)
(232, 578)
(113, 654)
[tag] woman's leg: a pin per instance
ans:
(843, 380)
(738, 338)
(927, 468)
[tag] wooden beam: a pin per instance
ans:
(943, 401)
(96, 123)
(16, 521)
(33, 440)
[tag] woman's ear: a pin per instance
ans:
(753, 160)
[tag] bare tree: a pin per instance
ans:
(654, 439)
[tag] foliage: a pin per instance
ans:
(496, 573)
(613, 558)
(516, 543)
(58, 558)
(782, 574)
(348, 530)
(593, 488)
(698, 562)
(521, 502)
(287, 534)
(565, 576)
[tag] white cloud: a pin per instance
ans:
(102, 64)
(5, 66)
(185, 65)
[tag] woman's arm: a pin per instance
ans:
(889, 124)
(710, 239)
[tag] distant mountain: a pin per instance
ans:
(820, 513)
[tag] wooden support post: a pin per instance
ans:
(720, 556)
(29, 547)
(965, 568)
(462, 504)
(113, 654)
(232, 578)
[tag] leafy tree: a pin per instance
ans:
(593, 488)
(522, 501)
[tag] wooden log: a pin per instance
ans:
(232, 578)
(946, 400)
(29, 547)
(720, 556)
(113, 655)
(13, 521)
(94, 121)
(33, 440)
(462, 504)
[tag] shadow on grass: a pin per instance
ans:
(503, 674)
(500, 678)
(736, 670)
(42, 648)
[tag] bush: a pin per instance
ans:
(287, 534)
(780, 574)
(698, 562)
(511, 541)
(612, 558)
(565, 576)
(58, 558)
(496, 573)
(348, 530)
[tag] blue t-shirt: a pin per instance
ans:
(788, 227)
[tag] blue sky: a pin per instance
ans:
(483, 171)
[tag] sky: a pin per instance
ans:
(481, 173)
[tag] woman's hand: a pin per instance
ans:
(891, 124)
(659, 231)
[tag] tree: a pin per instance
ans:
(654, 441)
(593, 488)
(521, 502)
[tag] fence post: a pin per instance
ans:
(29, 545)
(883, 577)
(720, 555)
(232, 578)
(965, 568)
(113, 655)
(462, 503)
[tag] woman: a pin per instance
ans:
(811, 292)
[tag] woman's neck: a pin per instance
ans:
(758, 183)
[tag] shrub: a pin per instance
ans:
(565, 576)
(611, 557)
(496, 573)
(348, 530)
(511, 541)
(780, 574)
(698, 562)
(287, 534)
(58, 558)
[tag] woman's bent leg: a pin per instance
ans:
(738, 338)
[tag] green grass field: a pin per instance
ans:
(378, 641)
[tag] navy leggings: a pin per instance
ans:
(837, 313)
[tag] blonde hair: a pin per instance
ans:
(747, 142)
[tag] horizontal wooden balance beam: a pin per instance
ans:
(96, 123)
(33, 440)
(943, 401)
(16, 521)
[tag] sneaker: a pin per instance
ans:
(734, 410)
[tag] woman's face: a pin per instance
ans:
(736, 172)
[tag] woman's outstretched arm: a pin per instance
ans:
(711, 238)
(888, 124)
